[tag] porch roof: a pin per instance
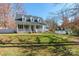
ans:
(29, 23)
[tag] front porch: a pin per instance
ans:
(29, 28)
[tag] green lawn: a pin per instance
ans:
(37, 38)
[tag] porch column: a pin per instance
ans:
(17, 28)
(35, 29)
(23, 28)
(30, 28)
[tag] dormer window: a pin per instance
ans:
(35, 20)
(31, 18)
(39, 20)
(23, 18)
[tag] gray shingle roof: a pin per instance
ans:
(28, 16)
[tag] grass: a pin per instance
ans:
(33, 38)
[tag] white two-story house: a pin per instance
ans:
(29, 23)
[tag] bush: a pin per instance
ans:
(38, 40)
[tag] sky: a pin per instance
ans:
(41, 9)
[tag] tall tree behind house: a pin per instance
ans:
(6, 20)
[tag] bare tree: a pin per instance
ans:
(52, 24)
(5, 16)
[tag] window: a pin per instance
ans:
(39, 20)
(20, 26)
(35, 20)
(26, 26)
(38, 27)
